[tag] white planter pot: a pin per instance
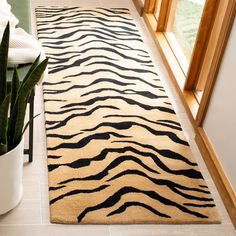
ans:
(11, 172)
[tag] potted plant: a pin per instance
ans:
(13, 106)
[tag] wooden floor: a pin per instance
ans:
(31, 217)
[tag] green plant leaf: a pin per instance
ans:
(14, 88)
(3, 63)
(18, 113)
(33, 78)
(34, 65)
(19, 122)
(11, 126)
(29, 122)
(4, 107)
(3, 149)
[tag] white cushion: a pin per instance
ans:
(23, 47)
(6, 15)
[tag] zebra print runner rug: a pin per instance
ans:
(116, 151)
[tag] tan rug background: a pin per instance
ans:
(116, 151)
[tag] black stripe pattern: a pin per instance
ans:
(116, 151)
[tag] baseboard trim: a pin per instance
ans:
(139, 6)
(217, 173)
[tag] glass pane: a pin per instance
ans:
(186, 23)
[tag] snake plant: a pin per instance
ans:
(13, 104)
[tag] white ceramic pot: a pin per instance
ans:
(11, 173)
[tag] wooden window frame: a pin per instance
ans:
(184, 79)
(139, 6)
(214, 53)
(207, 63)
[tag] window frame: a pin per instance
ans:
(184, 79)
(139, 6)
(165, 24)
(208, 63)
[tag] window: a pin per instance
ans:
(182, 30)
(195, 87)
(182, 24)
(186, 22)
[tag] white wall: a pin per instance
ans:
(220, 121)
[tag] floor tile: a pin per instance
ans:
(58, 230)
(28, 212)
